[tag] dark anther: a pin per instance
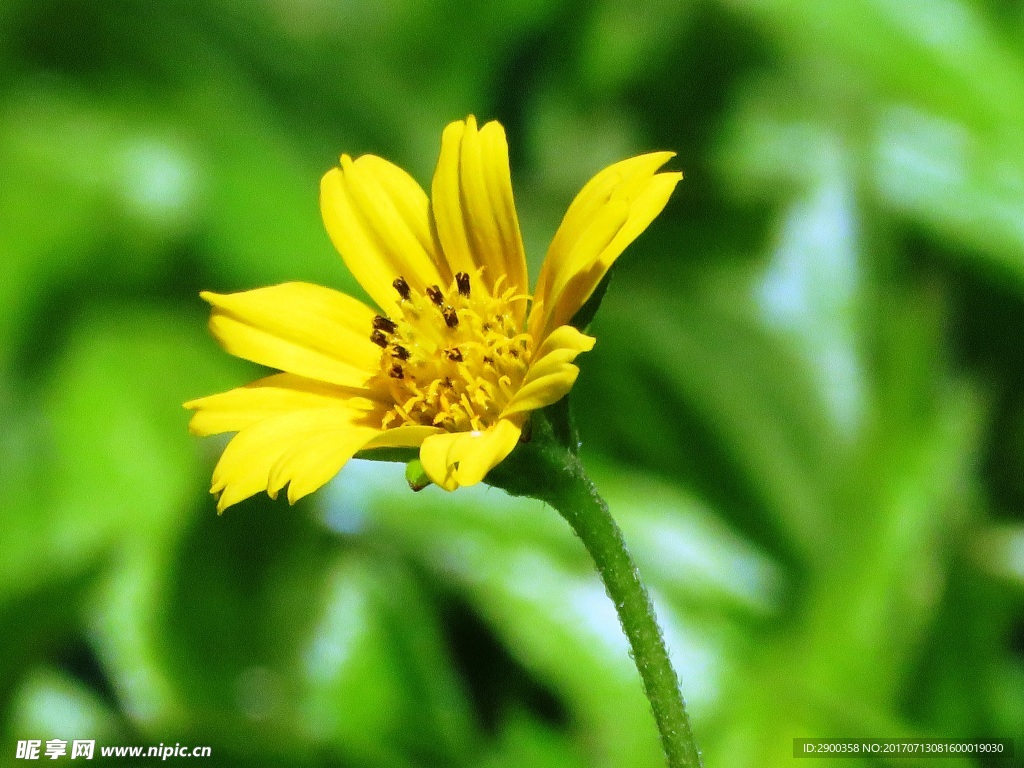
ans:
(454, 354)
(513, 352)
(402, 287)
(401, 352)
(451, 319)
(462, 280)
(435, 295)
(383, 324)
(448, 383)
(487, 327)
(489, 360)
(379, 339)
(396, 372)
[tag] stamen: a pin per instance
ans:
(383, 324)
(402, 287)
(457, 367)
(435, 295)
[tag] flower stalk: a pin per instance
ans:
(549, 470)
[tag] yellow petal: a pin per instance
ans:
(311, 442)
(446, 202)
(378, 219)
(542, 391)
(602, 231)
(551, 374)
(621, 180)
(478, 452)
(281, 393)
(595, 194)
(411, 204)
(611, 210)
(498, 178)
(408, 436)
(563, 337)
(434, 457)
(454, 459)
(308, 464)
(299, 328)
(645, 207)
(473, 206)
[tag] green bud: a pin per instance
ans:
(416, 476)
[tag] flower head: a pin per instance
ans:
(457, 353)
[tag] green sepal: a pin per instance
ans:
(563, 430)
(532, 467)
(401, 455)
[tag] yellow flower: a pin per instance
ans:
(457, 355)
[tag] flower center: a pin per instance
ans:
(451, 358)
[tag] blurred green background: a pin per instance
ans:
(805, 406)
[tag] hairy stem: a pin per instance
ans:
(579, 503)
(550, 472)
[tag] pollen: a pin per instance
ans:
(452, 357)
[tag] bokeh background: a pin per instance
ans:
(805, 406)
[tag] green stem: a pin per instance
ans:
(556, 475)
(579, 503)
